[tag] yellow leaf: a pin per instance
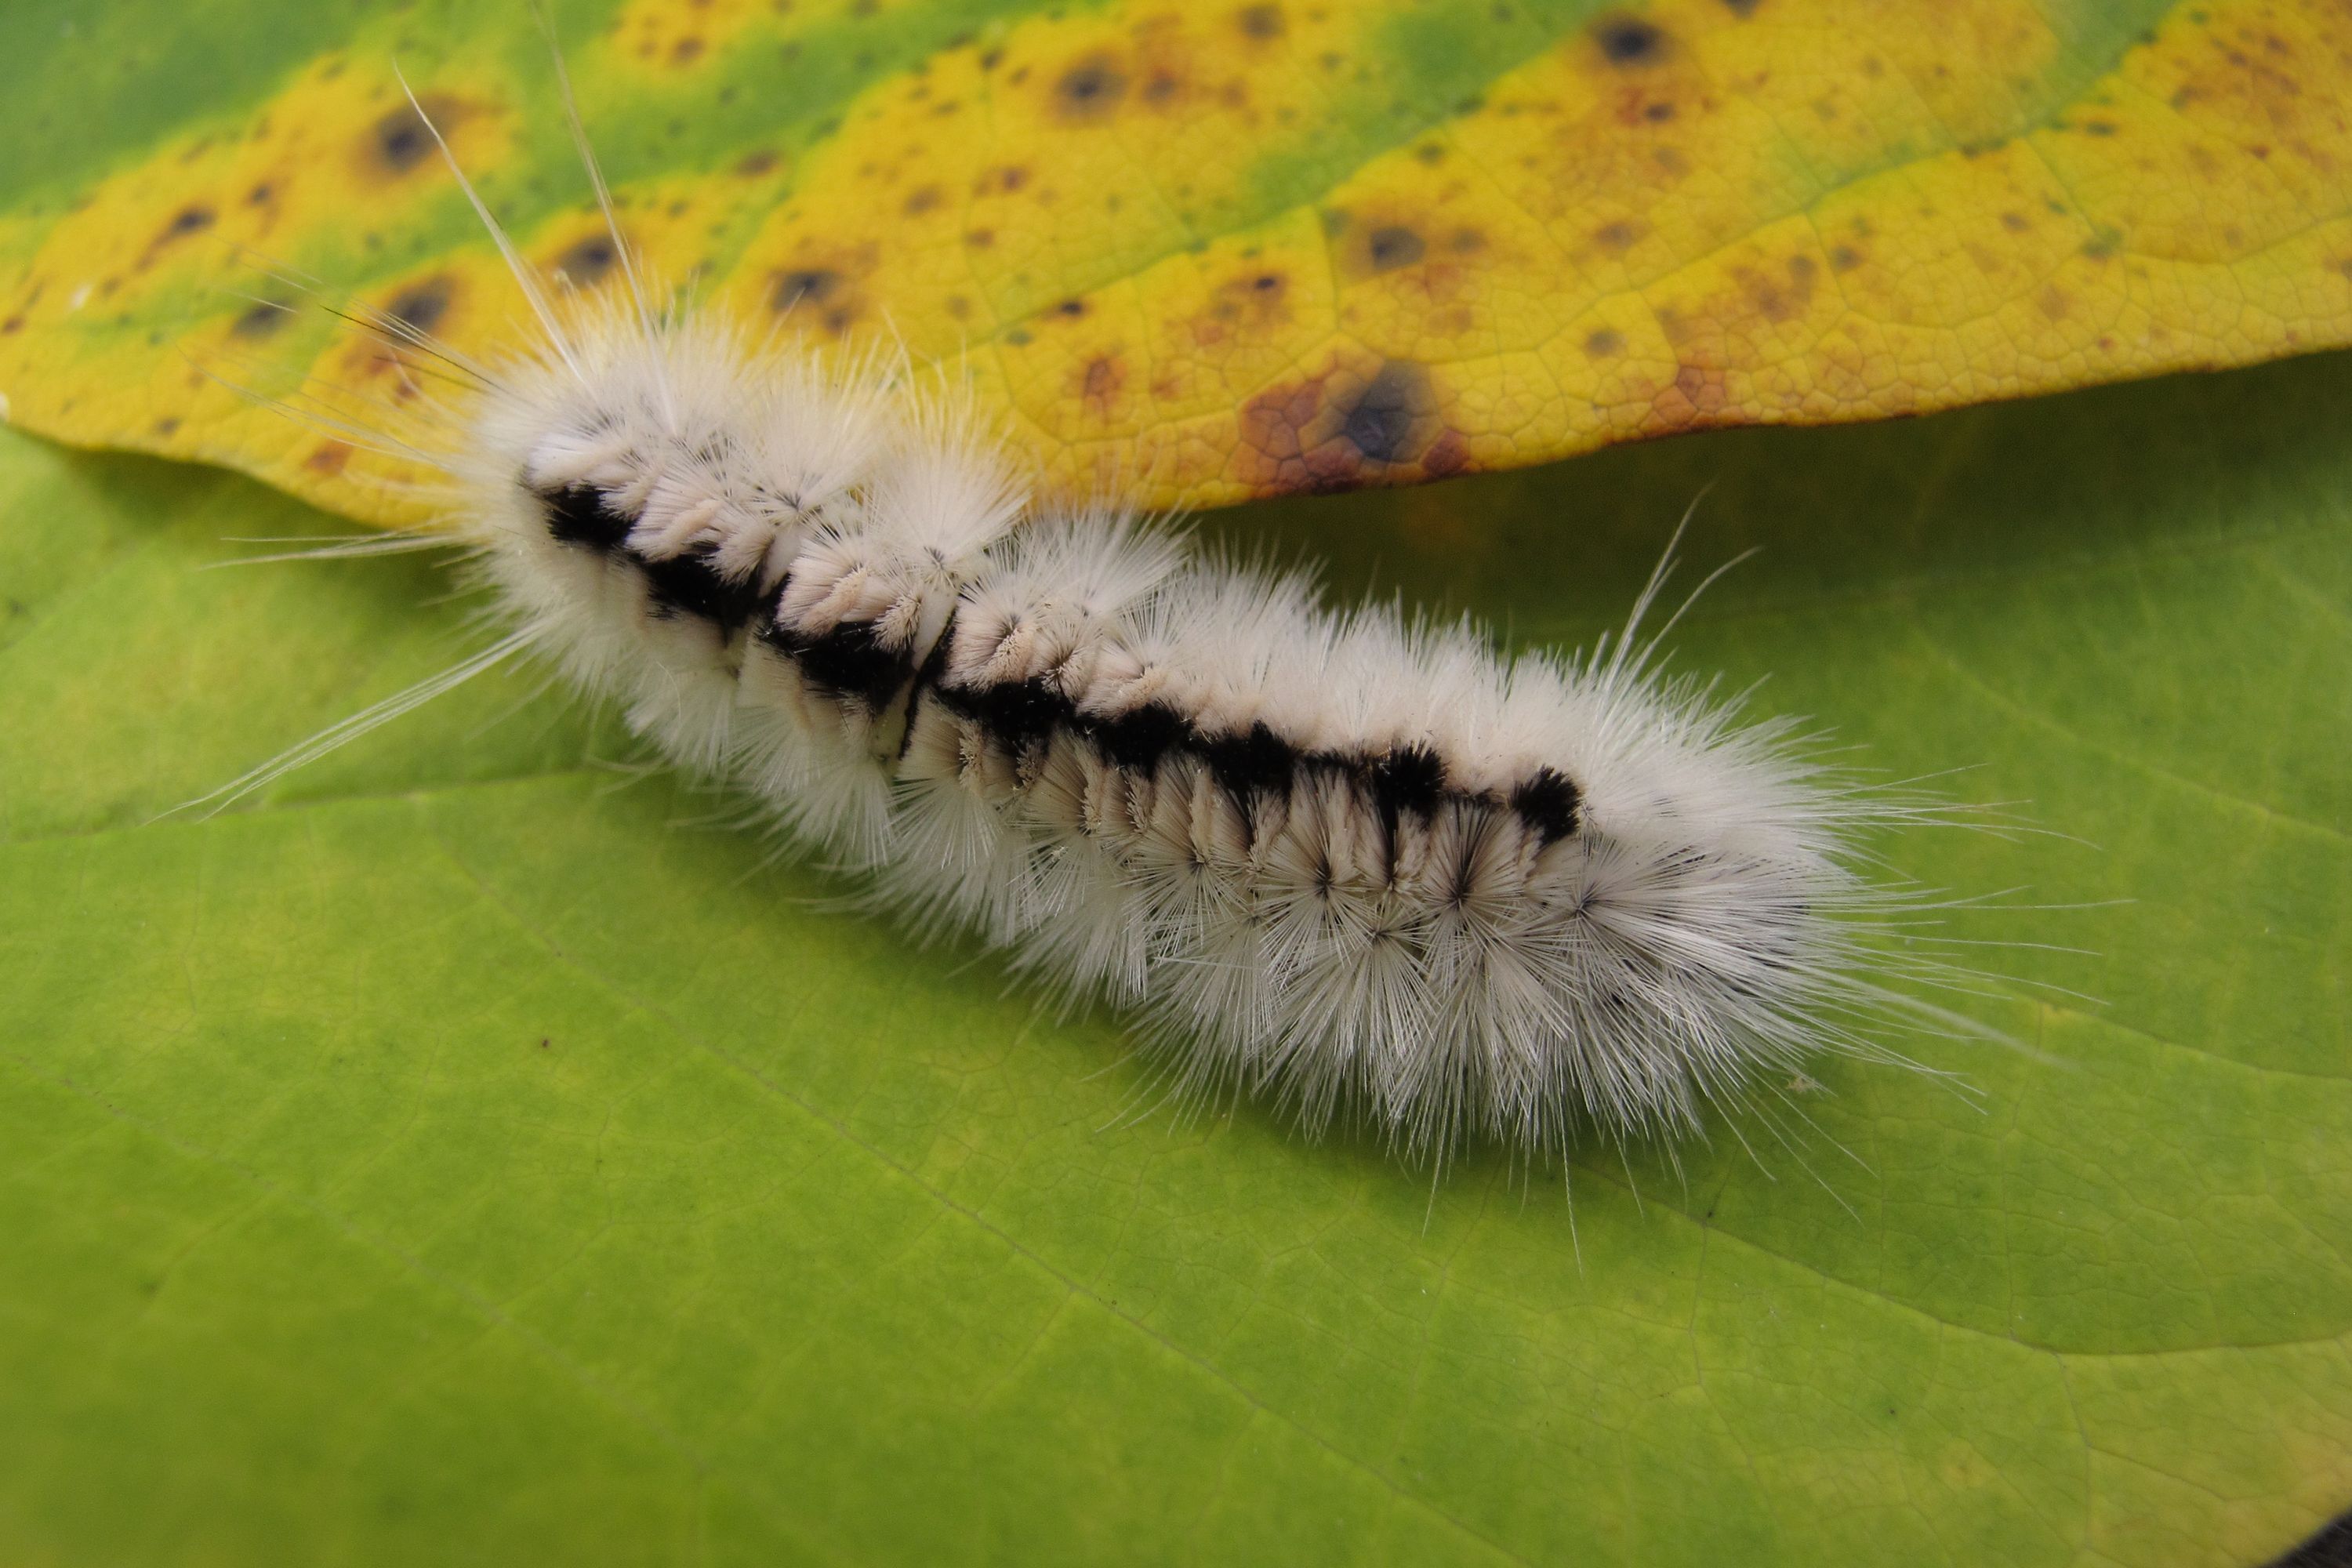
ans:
(1202, 253)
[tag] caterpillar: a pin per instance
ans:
(1353, 861)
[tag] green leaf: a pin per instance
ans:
(476, 1152)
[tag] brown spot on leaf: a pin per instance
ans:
(920, 200)
(812, 286)
(260, 320)
(1071, 308)
(1742, 7)
(1604, 342)
(585, 261)
(193, 218)
(685, 51)
(1845, 258)
(1261, 22)
(1100, 383)
(1698, 398)
(1619, 235)
(402, 139)
(1392, 245)
(422, 306)
(1629, 40)
(1379, 422)
(1089, 90)
(1447, 456)
(328, 458)
(1336, 431)
(166, 426)
(751, 165)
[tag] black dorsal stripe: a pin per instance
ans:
(1137, 738)
(1410, 778)
(847, 661)
(579, 515)
(1256, 760)
(688, 584)
(1551, 804)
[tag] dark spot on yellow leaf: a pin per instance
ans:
(401, 139)
(166, 426)
(422, 305)
(1392, 245)
(261, 319)
(1431, 151)
(979, 238)
(1071, 308)
(1447, 456)
(1698, 398)
(1619, 235)
(1380, 423)
(1769, 299)
(2054, 303)
(1742, 7)
(685, 51)
(585, 261)
(328, 458)
(1261, 21)
(2014, 222)
(1089, 90)
(1018, 337)
(1466, 240)
(1658, 113)
(921, 199)
(12, 326)
(1845, 258)
(1159, 87)
(1604, 342)
(1333, 431)
(2103, 244)
(753, 164)
(192, 219)
(812, 286)
(1629, 40)
(1100, 385)
(259, 195)
(1268, 281)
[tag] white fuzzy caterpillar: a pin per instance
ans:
(1344, 860)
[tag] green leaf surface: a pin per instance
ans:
(476, 1152)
